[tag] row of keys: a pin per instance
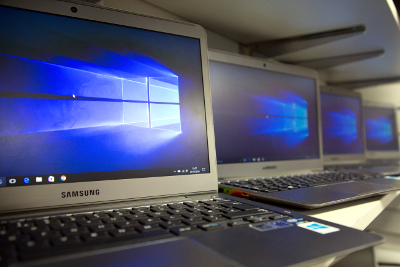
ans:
(38, 237)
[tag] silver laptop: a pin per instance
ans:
(381, 137)
(268, 136)
(107, 151)
(343, 132)
(345, 140)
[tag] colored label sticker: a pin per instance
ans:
(262, 227)
(393, 177)
(318, 227)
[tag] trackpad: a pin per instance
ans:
(181, 252)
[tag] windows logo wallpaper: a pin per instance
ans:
(79, 96)
(260, 114)
(341, 124)
(380, 128)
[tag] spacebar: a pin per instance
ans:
(235, 215)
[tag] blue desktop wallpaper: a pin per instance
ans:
(341, 124)
(380, 128)
(80, 96)
(261, 115)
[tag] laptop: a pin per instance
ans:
(343, 132)
(108, 154)
(381, 137)
(268, 141)
(344, 137)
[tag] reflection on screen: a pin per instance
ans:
(380, 128)
(261, 115)
(341, 124)
(80, 97)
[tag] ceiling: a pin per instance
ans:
(253, 21)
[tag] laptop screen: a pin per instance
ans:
(87, 101)
(341, 124)
(380, 128)
(262, 115)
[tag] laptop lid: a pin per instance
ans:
(342, 126)
(381, 130)
(265, 116)
(101, 105)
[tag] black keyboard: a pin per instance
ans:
(340, 167)
(362, 166)
(291, 182)
(33, 238)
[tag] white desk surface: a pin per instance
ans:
(356, 214)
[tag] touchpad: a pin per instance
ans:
(181, 252)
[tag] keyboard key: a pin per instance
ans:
(147, 228)
(240, 214)
(171, 224)
(65, 241)
(94, 237)
(238, 223)
(126, 224)
(172, 217)
(75, 231)
(278, 217)
(101, 227)
(150, 221)
(257, 218)
(136, 216)
(241, 206)
(186, 230)
(193, 221)
(123, 232)
(214, 218)
(210, 226)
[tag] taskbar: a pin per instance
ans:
(11, 181)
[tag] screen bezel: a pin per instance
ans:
(245, 169)
(50, 196)
(383, 154)
(345, 158)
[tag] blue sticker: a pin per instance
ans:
(318, 227)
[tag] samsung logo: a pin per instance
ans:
(269, 167)
(82, 193)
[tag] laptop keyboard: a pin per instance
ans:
(33, 238)
(362, 166)
(291, 182)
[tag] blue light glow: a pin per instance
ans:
(286, 116)
(379, 128)
(165, 116)
(341, 124)
(63, 98)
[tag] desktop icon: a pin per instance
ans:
(51, 179)
(26, 180)
(2, 181)
(63, 178)
(38, 179)
(12, 181)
